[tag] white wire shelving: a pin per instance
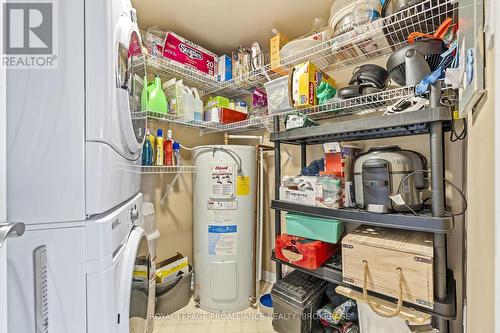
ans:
(167, 69)
(367, 42)
(364, 43)
(183, 169)
(335, 109)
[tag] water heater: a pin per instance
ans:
(223, 227)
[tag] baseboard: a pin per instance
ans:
(268, 277)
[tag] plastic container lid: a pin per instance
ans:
(159, 132)
(148, 208)
(176, 146)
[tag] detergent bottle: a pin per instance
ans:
(169, 149)
(159, 147)
(147, 151)
(157, 101)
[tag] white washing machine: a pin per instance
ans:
(74, 132)
(103, 266)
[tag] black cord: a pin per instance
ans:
(454, 136)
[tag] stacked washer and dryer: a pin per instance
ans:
(73, 138)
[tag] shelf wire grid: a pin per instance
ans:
(182, 169)
(366, 42)
(334, 110)
(167, 69)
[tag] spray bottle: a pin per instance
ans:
(159, 147)
(177, 154)
(169, 150)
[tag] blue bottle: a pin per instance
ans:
(147, 151)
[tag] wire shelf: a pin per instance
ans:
(335, 110)
(184, 169)
(366, 42)
(167, 69)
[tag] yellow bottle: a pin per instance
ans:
(159, 147)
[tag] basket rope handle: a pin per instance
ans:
(371, 305)
(439, 34)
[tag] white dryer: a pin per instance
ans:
(73, 132)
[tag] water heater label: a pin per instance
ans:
(222, 184)
(222, 205)
(222, 240)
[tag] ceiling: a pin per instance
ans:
(223, 25)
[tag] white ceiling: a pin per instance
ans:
(223, 25)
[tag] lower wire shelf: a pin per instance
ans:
(332, 272)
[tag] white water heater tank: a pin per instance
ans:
(223, 227)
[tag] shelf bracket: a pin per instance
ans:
(169, 188)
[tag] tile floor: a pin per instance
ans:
(193, 319)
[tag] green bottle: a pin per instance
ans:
(157, 101)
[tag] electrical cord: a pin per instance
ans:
(454, 135)
(447, 181)
(451, 101)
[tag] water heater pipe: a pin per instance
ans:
(260, 221)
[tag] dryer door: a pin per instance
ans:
(130, 73)
(133, 287)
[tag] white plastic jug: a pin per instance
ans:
(197, 105)
(187, 103)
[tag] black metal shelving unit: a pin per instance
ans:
(433, 121)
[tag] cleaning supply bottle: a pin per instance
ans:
(177, 154)
(157, 101)
(147, 151)
(159, 147)
(169, 150)
(152, 140)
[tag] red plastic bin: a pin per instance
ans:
(303, 252)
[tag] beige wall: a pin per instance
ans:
(175, 219)
(480, 217)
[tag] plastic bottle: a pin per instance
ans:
(177, 154)
(169, 150)
(152, 140)
(147, 151)
(159, 147)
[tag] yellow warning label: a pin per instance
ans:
(243, 185)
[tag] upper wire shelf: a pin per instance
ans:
(367, 42)
(167, 69)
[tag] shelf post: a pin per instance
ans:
(437, 197)
(277, 185)
(303, 155)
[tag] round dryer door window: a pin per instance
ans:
(130, 76)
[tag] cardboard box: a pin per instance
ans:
(225, 68)
(169, 269)
(276, 43)
(385, 250)
(305, 197)
(305, 80)
(190, 54)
